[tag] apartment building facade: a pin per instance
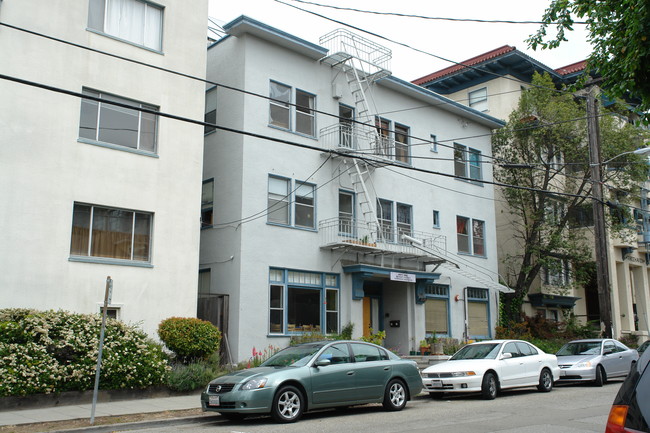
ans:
(492, 83)
(335, 193)
(92, 189)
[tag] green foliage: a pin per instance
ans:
(618, 33)
(450, 345)
(346, 332)
(195, 375)
(55, 351)
(189, 338)
(375, 337)
(630, 341)
(306, 337)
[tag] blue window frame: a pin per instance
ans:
(303, 301)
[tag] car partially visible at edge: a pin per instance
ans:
(630, 412)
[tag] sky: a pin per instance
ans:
(435, 39)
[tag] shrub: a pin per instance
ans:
(192, 376)
(189, 338)
(375, 337)
(306, 337)
(54, 351)
(629, 340)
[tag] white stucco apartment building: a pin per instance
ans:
(335, 193)
(89, 189)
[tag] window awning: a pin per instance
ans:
(546, 300)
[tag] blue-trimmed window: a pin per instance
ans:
(302, 301)
(118, 127)
(478, 312)
(135, 21)
(467, 162)
(436, 310)
(436, 219)
(291, 203)
(395, 219)
(291, 109)
(470, 236)
(434, 143)
(346, 213)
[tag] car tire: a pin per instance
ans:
(601, 376)
(545, 381)
(489, 386)
(288, 404)
(395, 395)
(233, 416)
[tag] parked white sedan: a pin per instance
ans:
(490, 366)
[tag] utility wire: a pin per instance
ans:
(398, 14)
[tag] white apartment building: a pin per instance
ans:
(335, 193)
(89, 189)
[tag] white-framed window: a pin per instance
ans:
(478, 310)
(470, 235)
(103, 123)
(210, 109)
(393, 140)
(467, 162)
(436, 219)
(434, 143)
(436, 309)
(291, 202)
(104, 232)
(478, 99)
(303, 301)
(557, 273)
(207, 204)
(298, 116)
(346, 213)
(391, 216)
(135, 21)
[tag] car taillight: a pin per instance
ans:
(616, 420)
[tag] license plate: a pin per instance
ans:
(213, 400)
(436, 384)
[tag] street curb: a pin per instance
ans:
(199, 419)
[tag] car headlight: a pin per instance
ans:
(583, 364)
(463, 373)
(257, 383)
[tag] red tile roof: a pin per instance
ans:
(462, 65)
(573, 67)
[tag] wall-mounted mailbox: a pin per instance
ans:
(394, 323)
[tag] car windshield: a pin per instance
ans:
(295, 356)
(580, 348)
(477, 351)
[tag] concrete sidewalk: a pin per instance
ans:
(76, 411)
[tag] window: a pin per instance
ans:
(204, 280)
(367, 353)
(111, 312)
(581, 216)
(404, 220)
(436, 309)
(282, 200)
(301, 301)
(556, 273)
(207, 200)
(210, 109)
(436, 219)
(281, 109)
(401, 143)
(383, 131)
(337, 354)
(477, 308)
(467, 162)
(110, 233)
(385, 217)
(105, 123)
(470, 236)
(434, 143)
(346, 213)
(135, 21)
(478, 99)
(393, 215)
(554, 211)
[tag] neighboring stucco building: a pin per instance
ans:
(492, 83)
(335, 197)
(90, 189)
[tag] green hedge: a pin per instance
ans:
(55, 351)
(189, 338)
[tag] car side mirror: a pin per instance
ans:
(506, 355)
(608, 352)
(323, 362)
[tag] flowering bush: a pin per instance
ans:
(54, 351)
(189, 338)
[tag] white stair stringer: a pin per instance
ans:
(357, 172)
(485, 282)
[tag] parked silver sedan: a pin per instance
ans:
(594, 360)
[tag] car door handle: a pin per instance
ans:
(350, 373)
(386, 368)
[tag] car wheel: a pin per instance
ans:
(395, 395)
(545, 381)
(233, 416)
(287, 404)
(489, 386)
(600, 376)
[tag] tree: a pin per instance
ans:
(618, 32)
(543, 148)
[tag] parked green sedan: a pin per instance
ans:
(313, 376)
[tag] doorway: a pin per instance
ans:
(372, 307)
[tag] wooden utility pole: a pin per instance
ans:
(600, 229)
